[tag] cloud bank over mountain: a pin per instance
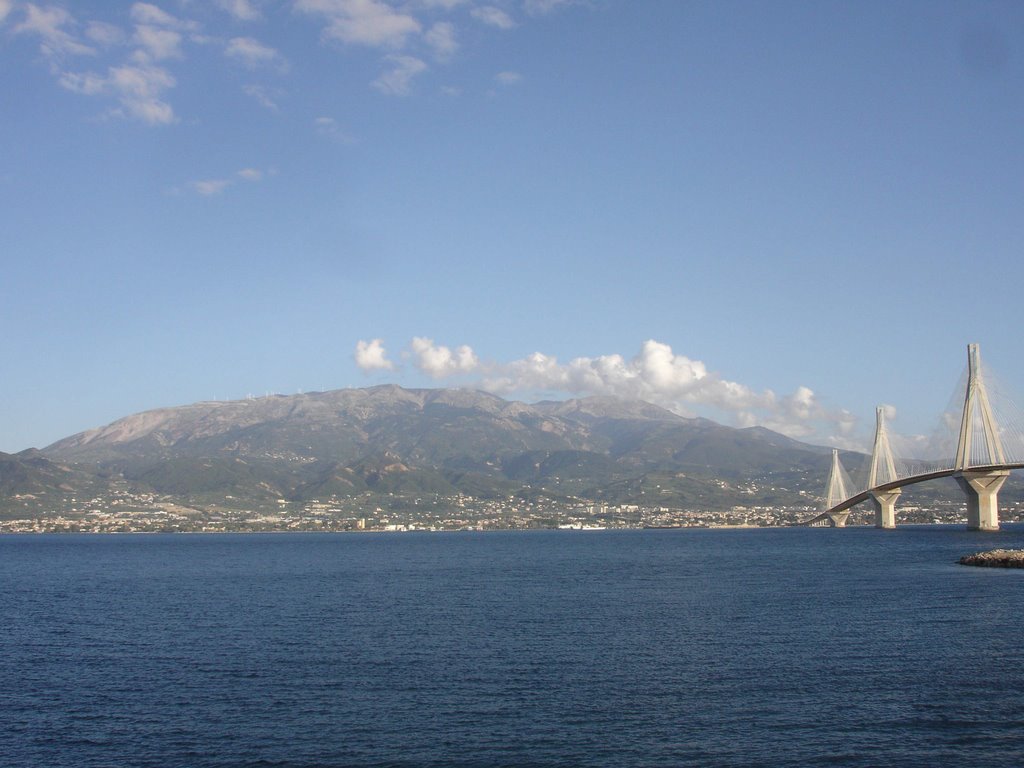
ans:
(656, 374)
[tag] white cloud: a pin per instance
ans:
(541, 7)
(5, 8)
(493, 17)
(240, 9)
(441, 37)
(362, 22)
(49, 24)
(148, 14)
(656, 374)
(508, 78)
(104, 34)
(413, 32)
(138, 88)
(86, 83)
(265, 97)
(139, 85)
(158, 32)
(441, 362)
(157, 42)
(397, 80)
(208, 187)
(252, 53)
(371, 356)
(446, 4)
(329, 127)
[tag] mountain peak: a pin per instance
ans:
(608, 407)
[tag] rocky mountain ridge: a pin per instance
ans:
(388, 439)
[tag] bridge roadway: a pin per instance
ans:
(903, 483)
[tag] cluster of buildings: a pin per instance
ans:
(125, 511)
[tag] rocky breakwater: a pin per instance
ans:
(996, 558)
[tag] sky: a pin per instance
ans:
(766, 213)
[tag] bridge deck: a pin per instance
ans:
(903, 482)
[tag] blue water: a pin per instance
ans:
(783, 647)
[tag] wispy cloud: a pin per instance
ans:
(140, 83)
(5, 8)
(329, 128)
(211, 187)
(85, 83)
(104, 34)
(158, 33)
(264, 96)
(363, 22)
(157, 42)
(138, 88)
(149, 14)
(493, 17)
(410, 29)
(51, 26)
(397, 79)
(441, 37)
(508, 78)
(208, 187)
(252, 53)
(243, 10)
(541, 7)
(445, 4)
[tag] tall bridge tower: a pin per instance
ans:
(979, 451)
(883, 470)
(838, 491)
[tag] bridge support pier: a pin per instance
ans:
(982, 490)
(884, 503)
(838, 519)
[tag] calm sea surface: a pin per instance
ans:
(782, 647)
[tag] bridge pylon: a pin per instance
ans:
(837, 491)
(979, 446)
(883, 470)
(970, 450)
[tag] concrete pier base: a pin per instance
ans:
(838, 519)
(982, 491)
(884, 503)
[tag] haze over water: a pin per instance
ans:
(736, 648)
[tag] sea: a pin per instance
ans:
(763, 647)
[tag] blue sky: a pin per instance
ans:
(763, 212)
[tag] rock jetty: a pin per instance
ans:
(996, 558)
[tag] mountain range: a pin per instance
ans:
(390, 440)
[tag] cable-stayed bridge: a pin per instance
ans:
(984, 443)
